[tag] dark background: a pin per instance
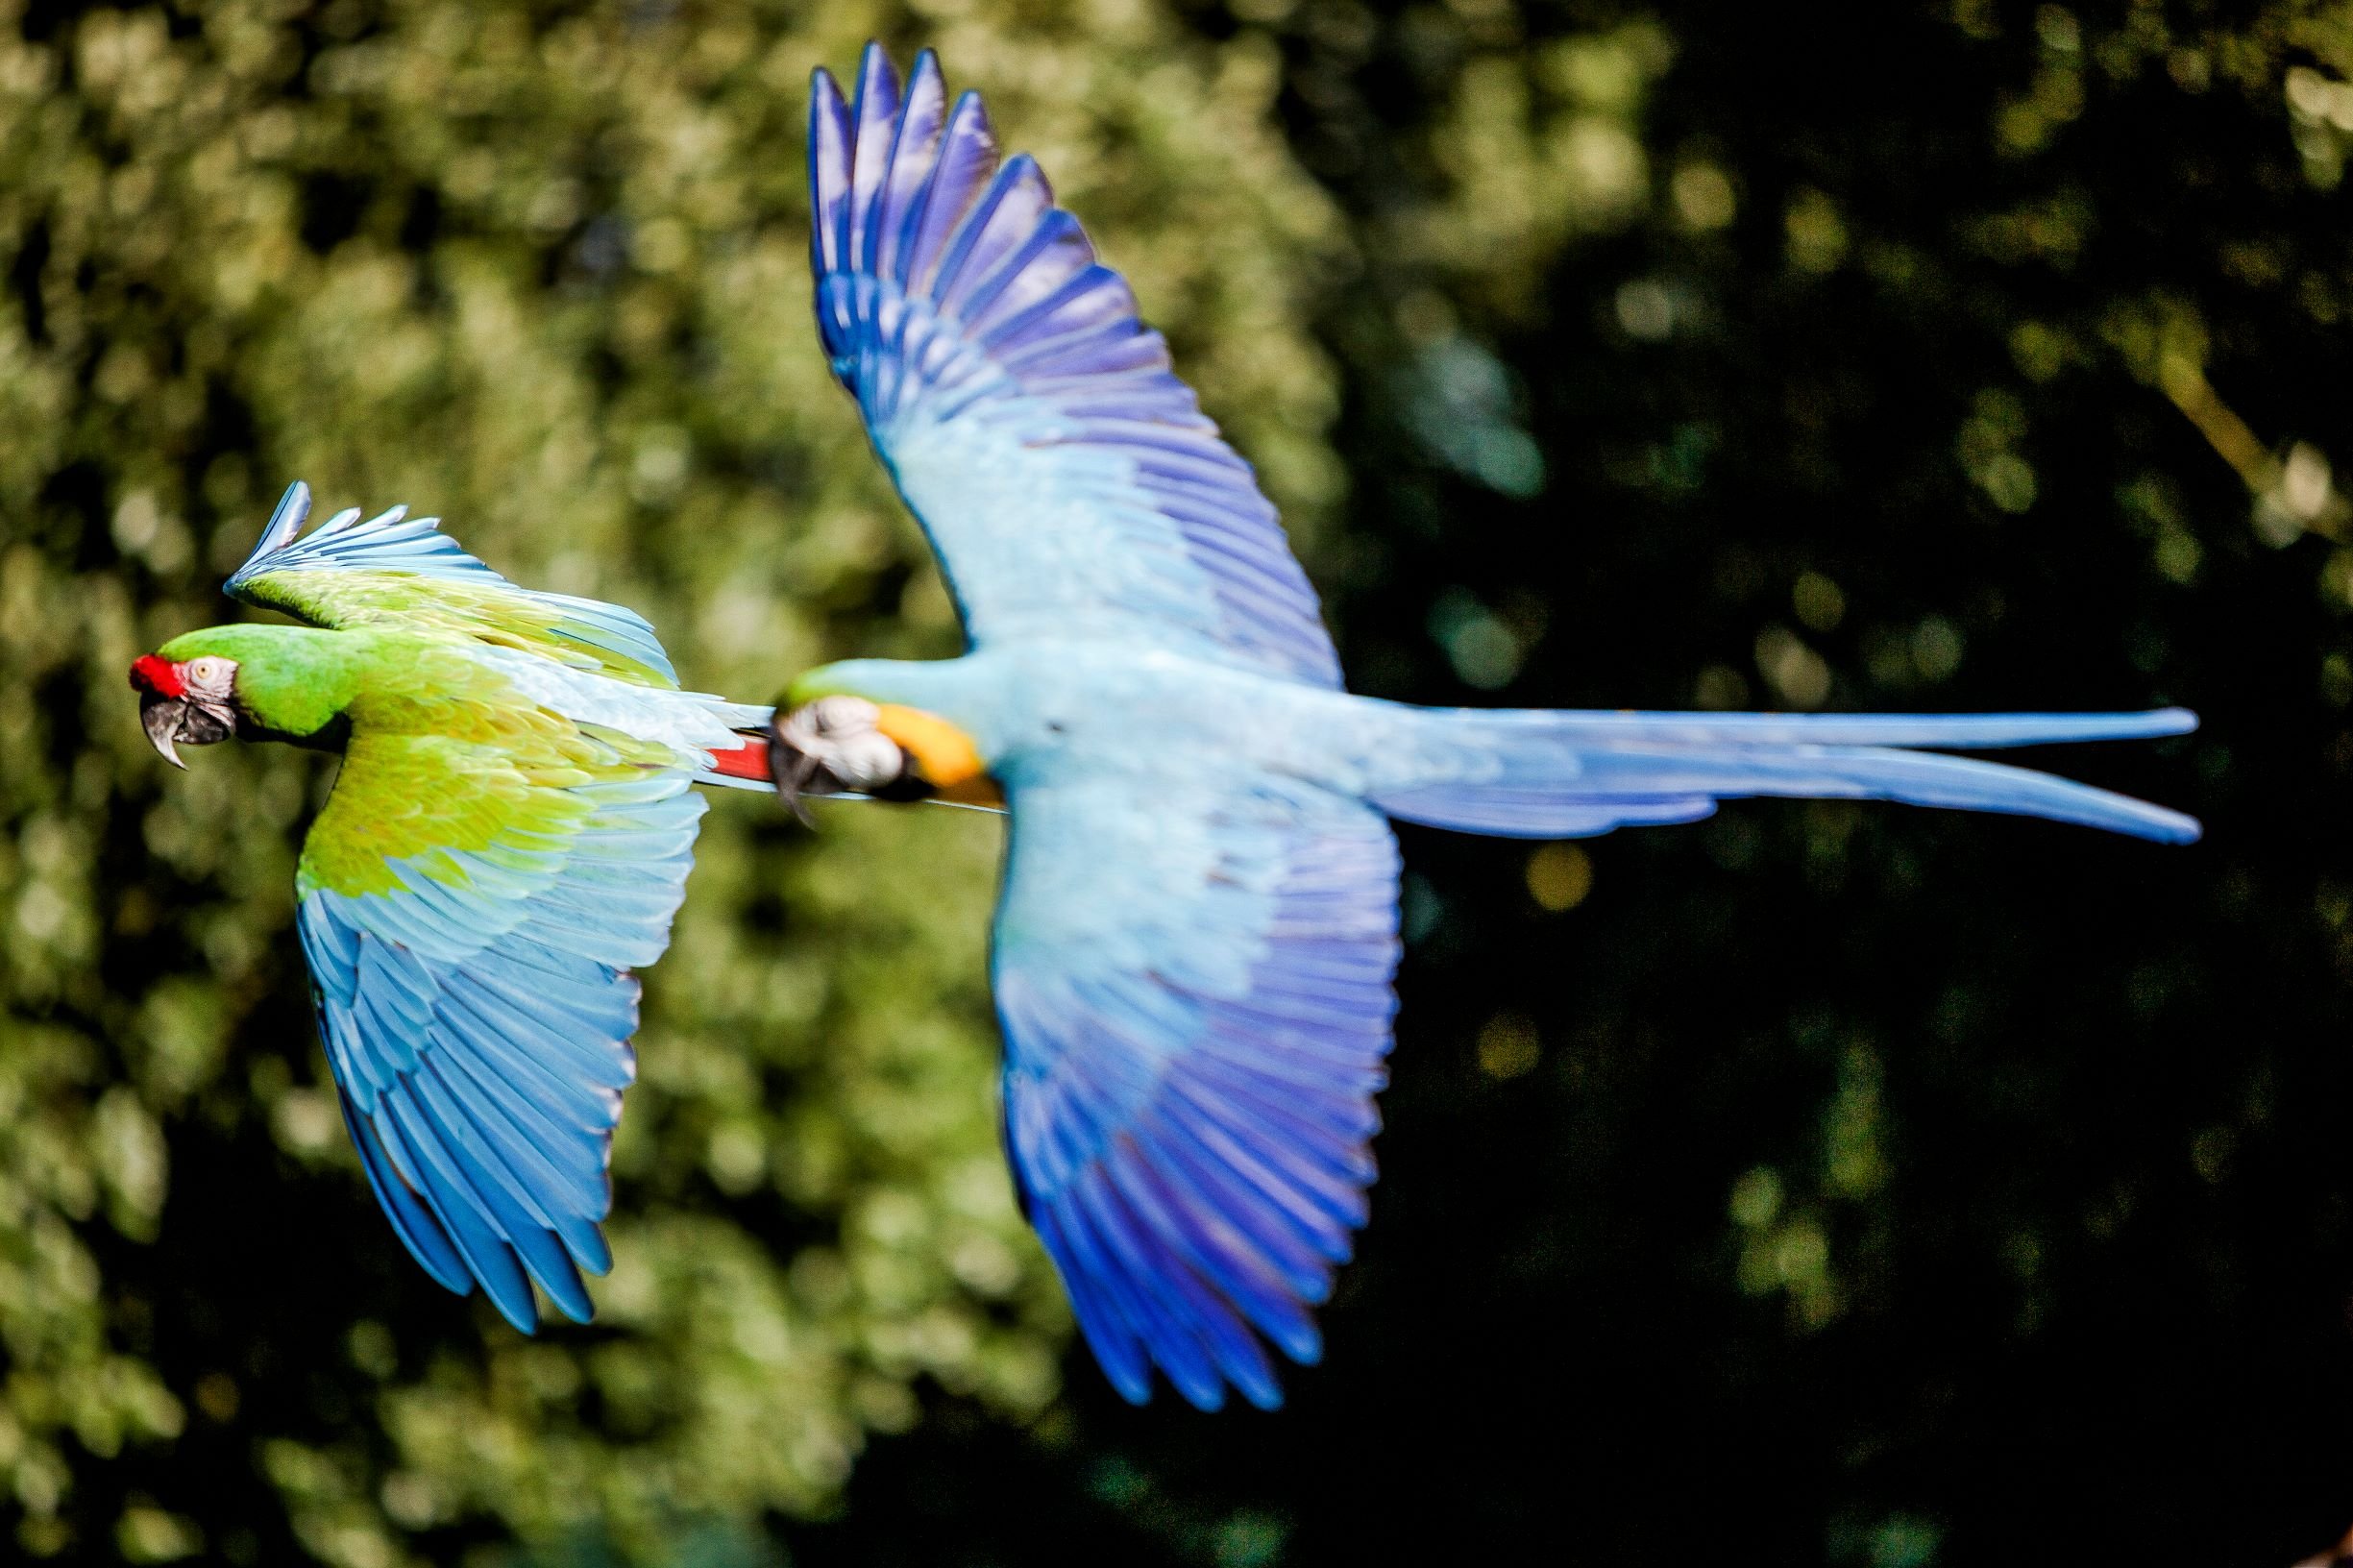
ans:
(1822, 1183)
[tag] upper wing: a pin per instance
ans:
(1067, 478)
(471, 911)
(397, 568)
(1193, 984)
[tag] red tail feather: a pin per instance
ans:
(746, 761)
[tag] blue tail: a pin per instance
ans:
(1528, 774)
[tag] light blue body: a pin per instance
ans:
(1197, 929)
(1041, 708)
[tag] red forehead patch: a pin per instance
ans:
(153, 672)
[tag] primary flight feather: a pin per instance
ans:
(506, 841)
(1197, 926)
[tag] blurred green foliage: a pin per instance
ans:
(1956, 354)
(541, 271)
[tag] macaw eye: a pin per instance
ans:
(211, 670)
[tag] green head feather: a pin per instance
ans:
(290, 679)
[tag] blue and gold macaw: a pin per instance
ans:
(1197, 927)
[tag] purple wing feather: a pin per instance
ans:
(870, 159)
(914, 149)
(966, 160)
(1191, 1052)
(1067, 480)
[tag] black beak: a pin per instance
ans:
(798, 774)
(161, 716)
(171, 720)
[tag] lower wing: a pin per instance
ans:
(470, 914)
(1193, 981)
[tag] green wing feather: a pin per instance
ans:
(471, 906)
(397, 570)
(508, 839)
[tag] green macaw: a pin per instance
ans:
(508, 837)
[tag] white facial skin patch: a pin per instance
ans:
(842, 735)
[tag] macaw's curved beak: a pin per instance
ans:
(796, 774)
(161, 716)
(173, 717)
(172, 722)
(844, 745)
(833, 747)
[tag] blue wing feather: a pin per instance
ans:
(1067, 480)
(418, 1230)
(1194, 982)
(477, 1022)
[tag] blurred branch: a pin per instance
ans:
(2292, 494)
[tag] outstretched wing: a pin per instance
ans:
(1194, 982)
(1069, 481)
(394, 569)
(471, 911)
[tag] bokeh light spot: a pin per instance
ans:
(1559, 876)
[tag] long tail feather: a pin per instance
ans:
(1534, 775)
(745, 768)
(1954, 732)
